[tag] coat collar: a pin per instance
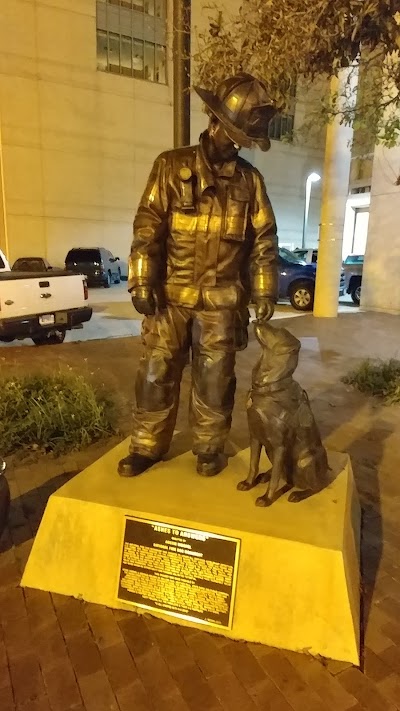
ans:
(206, 175)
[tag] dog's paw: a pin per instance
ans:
(264, 477)
(244, 486)
(296, 496)
(261, 501)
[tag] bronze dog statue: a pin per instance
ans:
(280, 420)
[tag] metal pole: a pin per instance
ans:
(181, 64)
(305, 217)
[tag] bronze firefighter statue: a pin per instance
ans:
(280, 420)
(204, 246)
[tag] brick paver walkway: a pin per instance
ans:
(61, 654)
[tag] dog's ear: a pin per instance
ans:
(265, 334)
(283, 342)
(279, 340)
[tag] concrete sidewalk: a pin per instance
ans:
(114, 317)
(62, 654)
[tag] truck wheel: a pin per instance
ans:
(301, 295)
(356, 294)
(50, 338)
(118, 277)
(107, 282)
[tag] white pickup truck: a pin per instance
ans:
(42, 305)
(4, 265)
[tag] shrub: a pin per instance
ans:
(58, 412)
(378, 378)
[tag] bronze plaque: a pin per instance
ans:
(182, 572)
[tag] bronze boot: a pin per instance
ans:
(210, 464)
(135, 464)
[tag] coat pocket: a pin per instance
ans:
(241, 330)
(237, 210)
(184, 224)
(221, 297)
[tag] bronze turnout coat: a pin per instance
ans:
(208, 241)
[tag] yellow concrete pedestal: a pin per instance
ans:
(298, 572)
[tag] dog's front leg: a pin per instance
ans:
(276, 474)
(255, 454)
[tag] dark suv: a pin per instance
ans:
(98, 264)
(31, 264)
(353, 269)
(297, 280)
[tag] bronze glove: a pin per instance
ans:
(264, 308)
(143, 300)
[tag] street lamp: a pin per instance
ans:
(312, 178)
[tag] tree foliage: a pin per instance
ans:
(280, 41)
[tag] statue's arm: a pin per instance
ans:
(264, 254)
(149, 229)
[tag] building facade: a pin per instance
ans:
(85, 107)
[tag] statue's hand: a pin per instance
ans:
(143, 300)
(264, 308)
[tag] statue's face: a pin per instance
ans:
(224, 148)
(277, 365)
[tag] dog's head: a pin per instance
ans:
(280, 351)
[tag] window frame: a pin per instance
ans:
(115, 32)
(125, 71)
(113, 35)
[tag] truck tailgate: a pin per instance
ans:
(23, 294)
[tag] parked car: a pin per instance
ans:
(353, 268)
(31, 264)
(310, 256)
(42, 305)
(297, 280)
(98, 264)
(4, 265)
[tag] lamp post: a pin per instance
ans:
(181, 65)
(312, 178)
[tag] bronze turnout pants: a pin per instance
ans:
(214, 336)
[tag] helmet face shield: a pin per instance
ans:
(242, 105)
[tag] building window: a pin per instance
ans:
(131, 38)
(149, 7)
(282, 125)
(102, 51)
(113, 53)
(126, 55)
(149, 61)
(137, 59)
(160, 8)
(161, 60)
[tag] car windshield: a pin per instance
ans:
(354, 259)
(290, 256)
(83, 255)
(28, 264)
